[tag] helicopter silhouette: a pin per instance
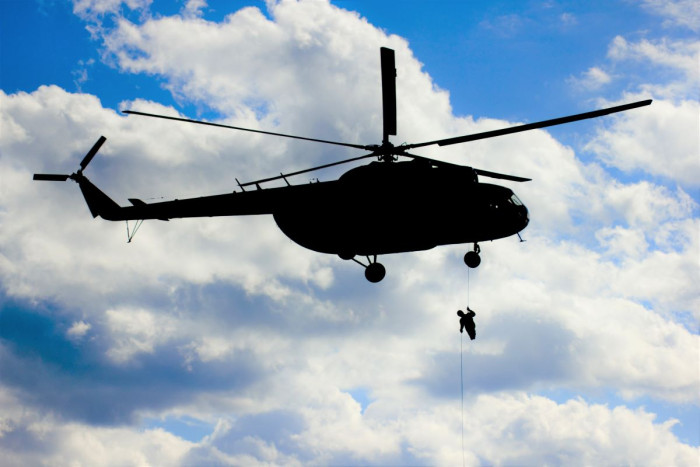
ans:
(386, 206)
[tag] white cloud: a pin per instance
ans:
(644, 204)
(563, 188)
(661, 139)
(270, 338)
(678, 56)
(193, 8)
(90, 8)
(136, 331)
(78, 330)
(584, 434)
(592, 79)
(78, 243)
(584, 306)
(674, 54)
(623, 242)
(505, 429)
(684, 13)
(57, 442)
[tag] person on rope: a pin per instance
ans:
(467, 322)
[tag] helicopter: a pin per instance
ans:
(440, 203)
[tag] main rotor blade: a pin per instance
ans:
(51, 177)
(532, 126)
(91, 153)
(278, 177)
(512, 178)
(220, 125)
(484, 173)
(388, 91)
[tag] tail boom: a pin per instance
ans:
(98, 202)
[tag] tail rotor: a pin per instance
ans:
(83, 164)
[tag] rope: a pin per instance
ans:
(461, 377)
(461, 370)
(130, 235)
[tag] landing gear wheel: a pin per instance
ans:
(472, 259)
(375, 272)
(346, 255)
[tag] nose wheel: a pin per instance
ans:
(375, 272)
(472, 258)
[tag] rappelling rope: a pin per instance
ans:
(461, 377)
(468, 287)
(461, 370)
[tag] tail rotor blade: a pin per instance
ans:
(388, 92)
(51, 177)
(88, 157)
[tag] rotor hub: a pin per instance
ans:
(387, 152)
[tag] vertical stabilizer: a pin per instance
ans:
(99, 203)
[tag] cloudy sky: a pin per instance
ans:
(220, 341)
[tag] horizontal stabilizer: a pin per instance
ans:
(139, 203)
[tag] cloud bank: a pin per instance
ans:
(218, 341)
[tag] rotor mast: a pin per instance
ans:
(388, 64)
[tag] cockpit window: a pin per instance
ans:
(515, 200)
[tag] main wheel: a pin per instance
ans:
(472, 259)
(375, 272)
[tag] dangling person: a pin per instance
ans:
(467, 322)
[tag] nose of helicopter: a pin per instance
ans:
(523, 217)
(521, 212)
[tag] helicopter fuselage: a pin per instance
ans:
(385, 208)
(373, 209)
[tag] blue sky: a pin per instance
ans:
(483, 53)
(220, 341)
